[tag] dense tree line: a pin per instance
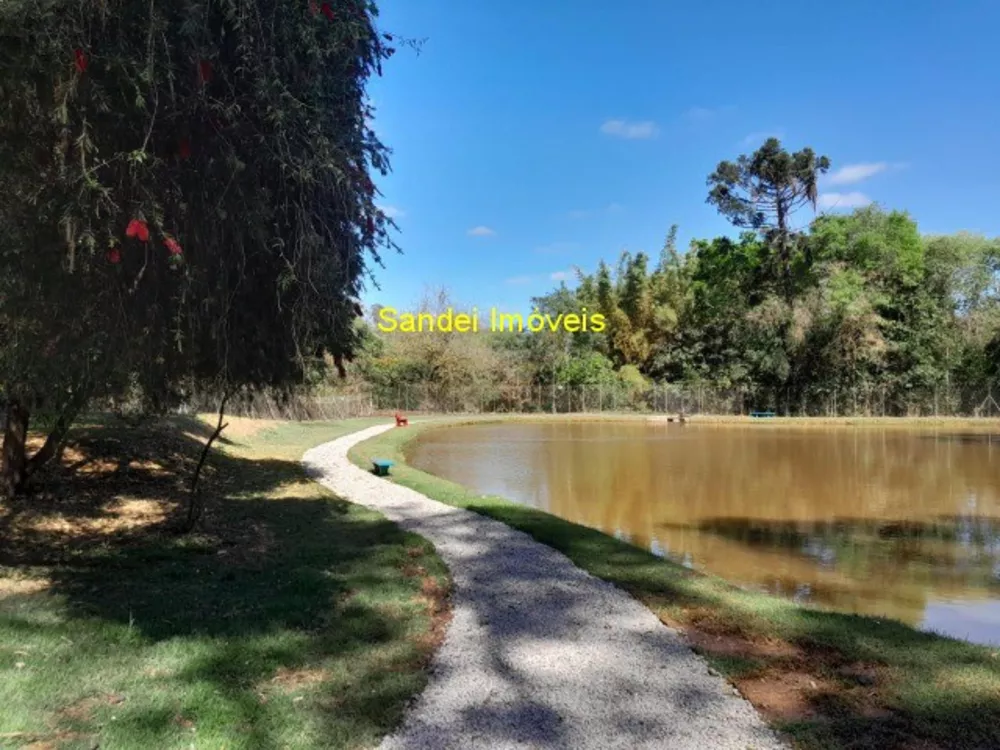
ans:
(860, 306)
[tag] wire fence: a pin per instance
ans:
(668, 398)
(662, 398)
(299, 408)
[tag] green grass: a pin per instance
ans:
(917, 690)
(290, 619)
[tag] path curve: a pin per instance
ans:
(539, 653)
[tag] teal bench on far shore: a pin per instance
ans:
(381, 467)
(762, 414)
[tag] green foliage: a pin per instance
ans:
(631, 378)
(762, 191)
(883, 245)
(874, 307)
(877, 314)
(590, 368)
(858, 305)
(236, 132)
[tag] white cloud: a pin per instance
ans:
(843, 200)
(520, 280)
(578, 213)
(626, 129)
(758, 138)
(481, 231)
(851, 173)
(562, 275)
(614, 208)
(392, 212)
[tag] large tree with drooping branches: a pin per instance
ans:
(186, 199)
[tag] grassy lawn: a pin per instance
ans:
(289, 619)
(829, 680)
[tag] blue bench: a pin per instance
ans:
(762, 414)
(381, 466)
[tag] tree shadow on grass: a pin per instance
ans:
(282, 621)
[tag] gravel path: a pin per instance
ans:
(539, 653)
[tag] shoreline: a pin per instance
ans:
(826, 678)
(539, 653)
(984, 424)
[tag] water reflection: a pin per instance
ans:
(880, 522)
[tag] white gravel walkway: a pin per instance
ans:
(539, 653)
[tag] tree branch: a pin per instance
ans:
(195, 506)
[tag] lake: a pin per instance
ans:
(891, 522)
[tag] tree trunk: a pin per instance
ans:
(14, 467)
(55, 438)
(784, 253)
(196, 506)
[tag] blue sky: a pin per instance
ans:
(531, 136)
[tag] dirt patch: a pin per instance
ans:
(83, 709)
(707, 621)
(150, 468)
(785, 695)
(436, 598)
(183, 722)
(290, 680)
(789, 682)
(239, 428)
(23, 586)
(412, 571)
(54, 742)
(435, 594)
(127, 514)
(731, 645)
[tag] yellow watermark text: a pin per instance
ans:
(390, 320)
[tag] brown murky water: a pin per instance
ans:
(889, 522)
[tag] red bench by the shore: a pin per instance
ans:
(401, 421)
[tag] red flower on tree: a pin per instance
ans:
(184, 149)
(81, 60)
(327, 11)
(371, 225)
(205, 71)
(138, 229)
(114, 256)
(173, 247)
